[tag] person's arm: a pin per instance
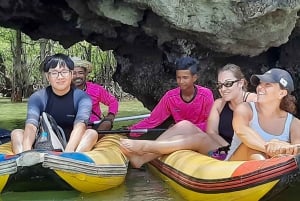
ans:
(106, 98)
(294, 131)
(158, 115)
(208, 104)
(294, 146)
(109, 100)
(242, 116)
(84, 108)
(213, 122)
(275, 147)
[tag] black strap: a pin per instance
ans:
(223, 149)
(246, 94)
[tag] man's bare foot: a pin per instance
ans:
(136, 146)
(136, 160)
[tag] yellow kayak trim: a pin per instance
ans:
(199, 177)
(250, 194)
(89, 184)
(3, 181)
(111, 155)
(102, 168)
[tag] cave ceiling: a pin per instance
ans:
(148, 35)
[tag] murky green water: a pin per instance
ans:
(139, 185)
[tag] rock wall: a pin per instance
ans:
(148, 35)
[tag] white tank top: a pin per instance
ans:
(254, 124)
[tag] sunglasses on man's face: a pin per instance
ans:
(227, 84)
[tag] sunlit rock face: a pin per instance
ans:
(148, 35)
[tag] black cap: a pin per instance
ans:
(275, 75)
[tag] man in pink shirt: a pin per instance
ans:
(186, 102)
(97, 93)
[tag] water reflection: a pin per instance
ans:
(144, 186)
(139, 185)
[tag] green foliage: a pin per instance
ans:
(103, 62)
(6, 36)
(34, 52)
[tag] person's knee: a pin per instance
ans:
(188, 127)
(257, 157)
(16, 134)
(184, 124)
(90, 134)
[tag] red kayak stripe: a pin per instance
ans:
(243, 181)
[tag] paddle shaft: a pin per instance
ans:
(123, 119)
(131, 131)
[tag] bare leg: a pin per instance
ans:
(138, 160)
(183, 135)
(17, 140)
(89, 139)
(199, 142)
(257, 157)
(182, 127)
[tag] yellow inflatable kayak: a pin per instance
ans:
(198, 177)
(102, 168)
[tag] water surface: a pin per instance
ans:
(139, 185)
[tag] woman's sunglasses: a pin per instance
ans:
(219, 85)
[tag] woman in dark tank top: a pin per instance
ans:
(226, 116)
(232, 87)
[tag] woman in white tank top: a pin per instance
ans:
(266, 128)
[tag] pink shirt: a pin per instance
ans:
(171, 104)
(99, 95)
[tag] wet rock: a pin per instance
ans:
(148, 35)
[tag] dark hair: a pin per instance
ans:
(288, 103)
(187, 63)
(237, 73)
(57, 59)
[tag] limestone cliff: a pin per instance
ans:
(147, 35)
